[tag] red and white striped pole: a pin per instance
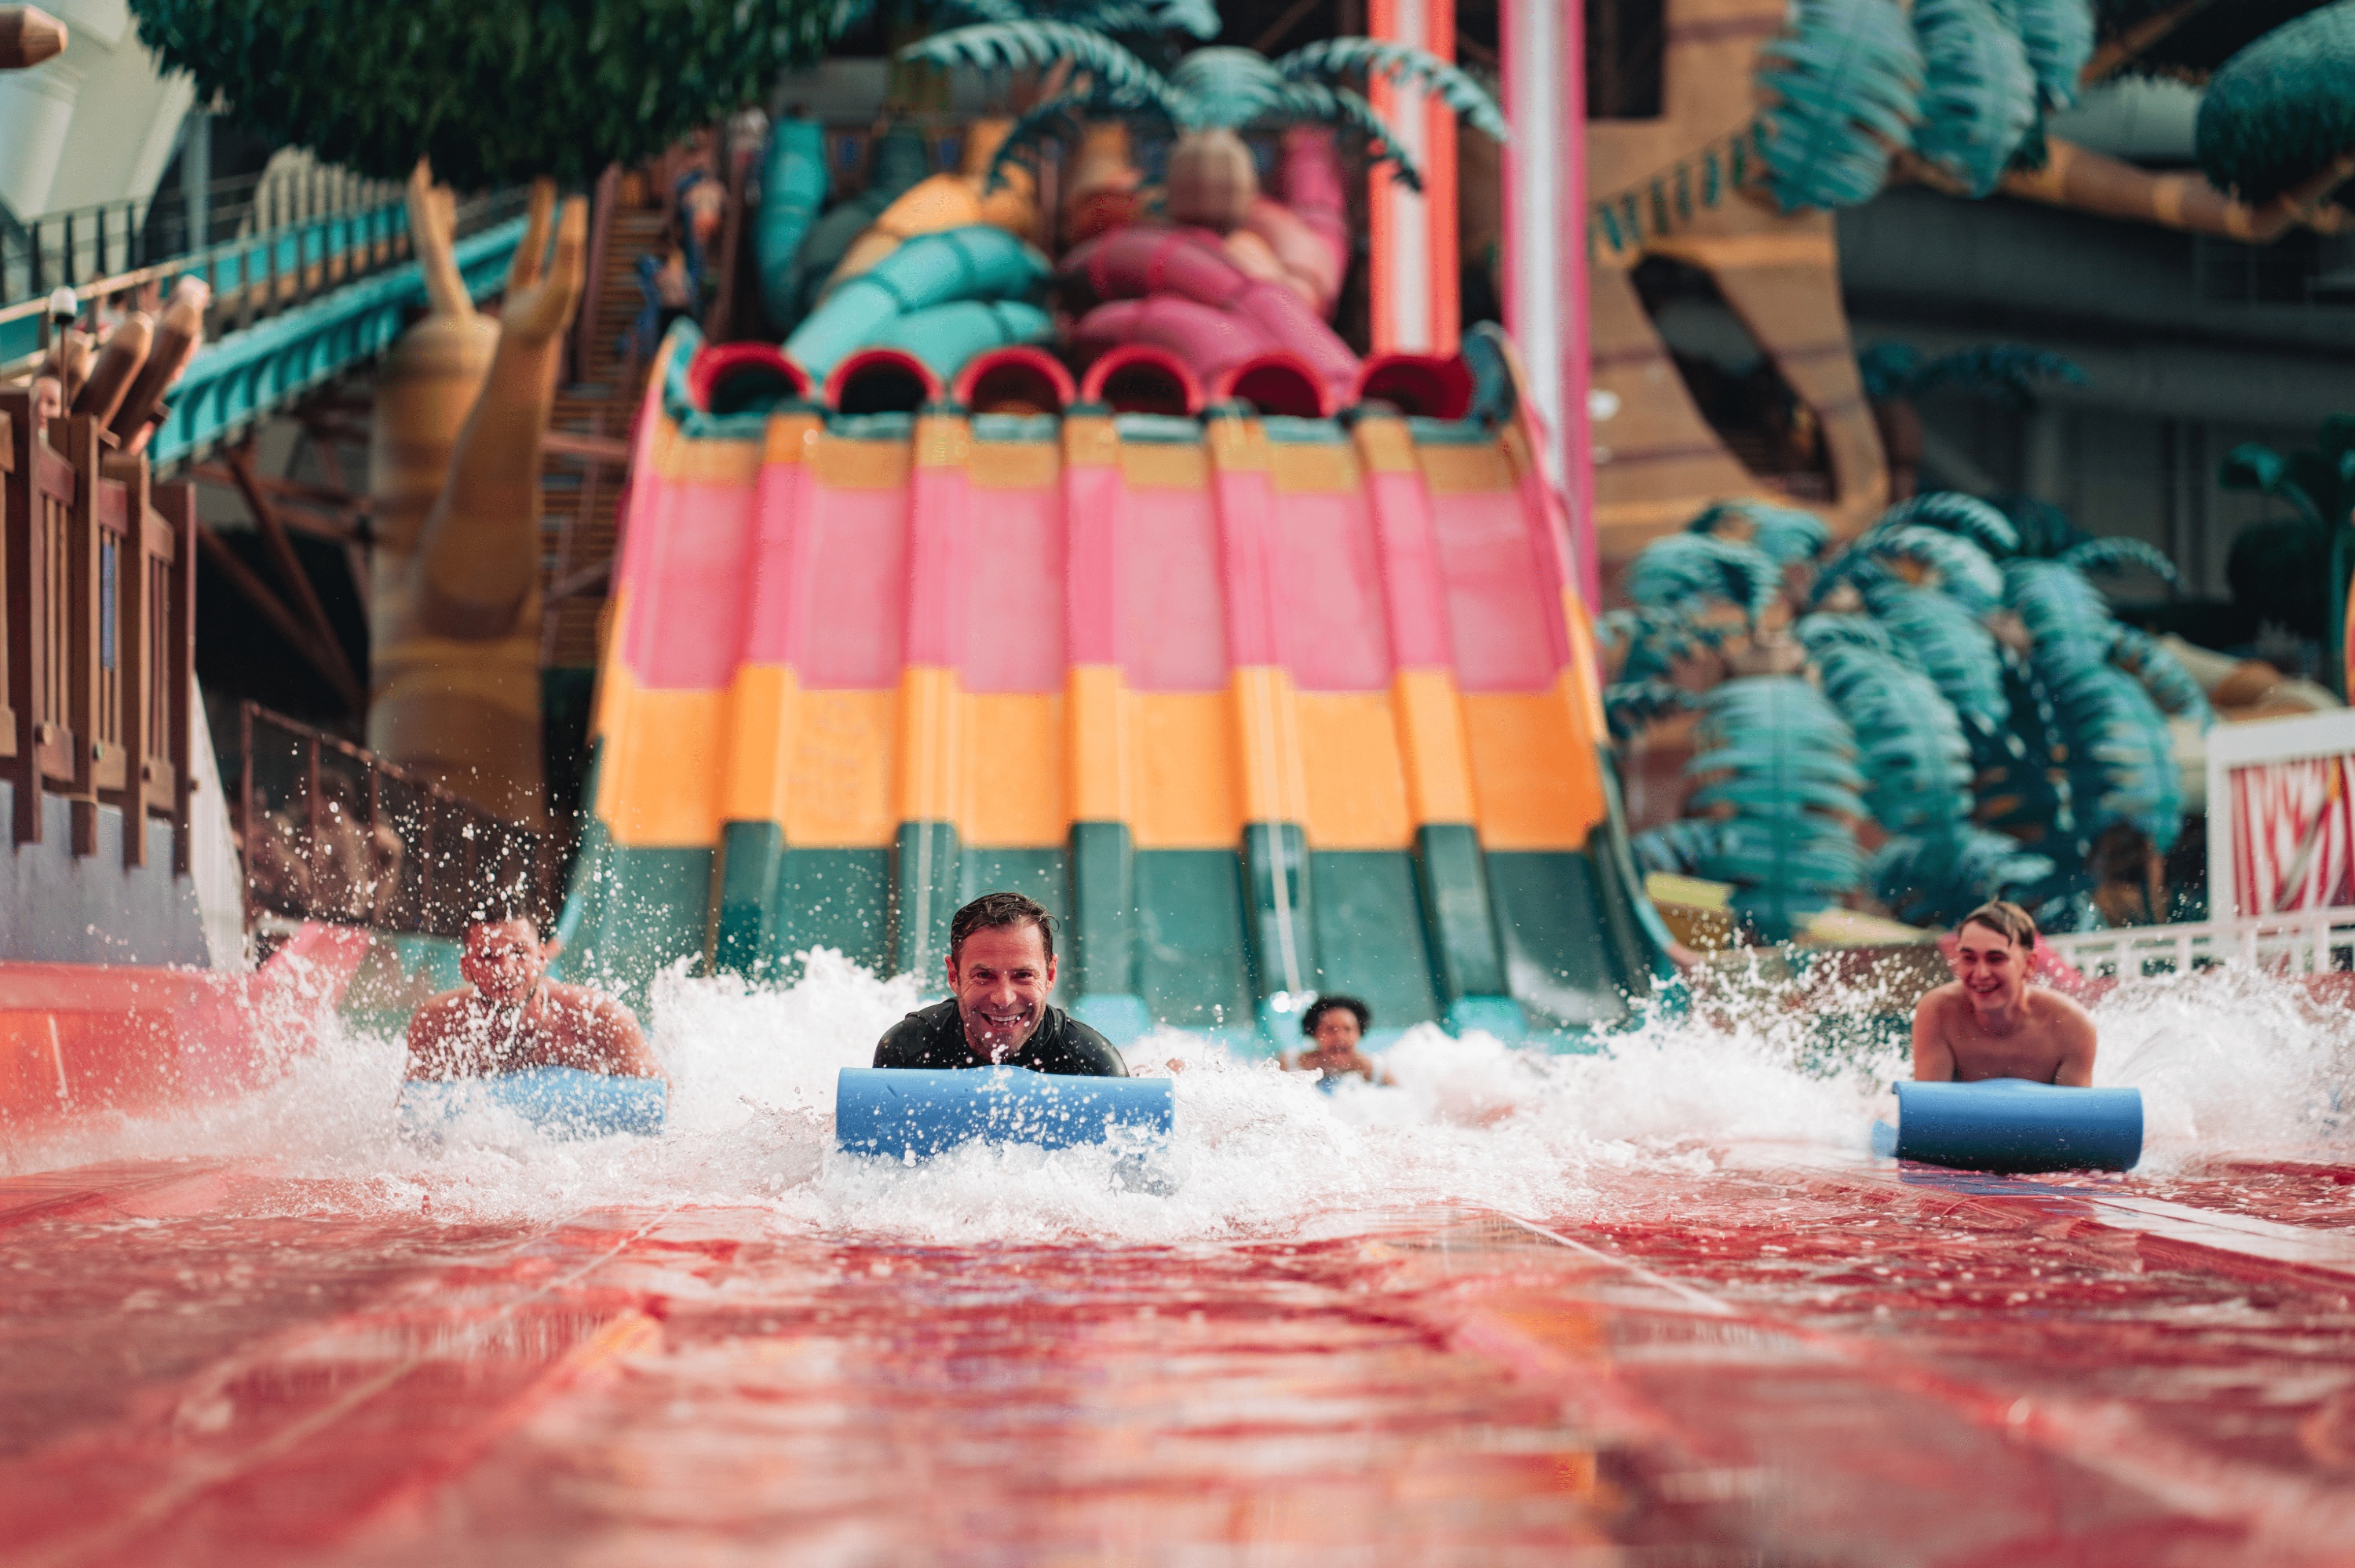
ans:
(1415, 284)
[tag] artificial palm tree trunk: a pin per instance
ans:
(2089, 182)
(456, 656)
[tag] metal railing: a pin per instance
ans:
(2305, 941)
(334, 833)
(291, 252)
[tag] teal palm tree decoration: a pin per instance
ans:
(1677, 569)
(1978, 99)
(1778, 772)
(2058, 36)
(1783, 535)
(1910, 745)
(1210, 94)
(1844, 81)
(1936, 879)
(2283, 109)
(2293, 570)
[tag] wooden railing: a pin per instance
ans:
(99, 632)
(335, 832)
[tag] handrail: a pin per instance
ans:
(97, 633)
(2303, 941)
(335, 832)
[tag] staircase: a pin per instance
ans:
(581, 480)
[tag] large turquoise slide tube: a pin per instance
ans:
(793, 192)
(945, 336)
(975, 263)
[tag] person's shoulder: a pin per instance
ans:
(441, 1007)
(909, 1042)
(2055, 1005)
(1937, 998)
(1084, 1043)
(578, 996)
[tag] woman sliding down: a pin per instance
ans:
(1987, 1022)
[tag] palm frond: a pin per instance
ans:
(1818, 634)
(2253, 465)
(2279, 111)
(2045, 530)
(1959, 566)
(1776, 759)
(1979, 97)
(1947, 643)
(2058, 38)
(2008, 372)
(1053, 118)
(1678, 849)
(1911, 749)
(995, 45)
(1937, 878)
(1845, 83)
(1401, 64)
(2162, 676)
(1226, 86)
(2109, 555)
(1339, 106)
(1628, 706)
(1888, 369)
(1678, 567)
(1783, 535)
(1963, 515)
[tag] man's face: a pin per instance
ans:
(1337, 1032)
(503, 959)
(1000, 979)
(1993, 972)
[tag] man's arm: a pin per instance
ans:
(616, 1043)
(430, 1055)
(1933, 1059)
(2074, 1027)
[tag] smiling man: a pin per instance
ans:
(1001, 966)
(1989, 1024)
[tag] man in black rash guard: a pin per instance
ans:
(1001, 967)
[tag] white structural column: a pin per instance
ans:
(1415, 283)
(1544, 49)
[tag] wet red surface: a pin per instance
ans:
(1780, 1364)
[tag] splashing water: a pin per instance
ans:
(2230, 1065)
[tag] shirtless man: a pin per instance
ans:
(1987, 1023)
(509, 1016)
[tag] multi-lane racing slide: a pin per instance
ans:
(1260, 700)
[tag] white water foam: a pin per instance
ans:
(2230, 1065)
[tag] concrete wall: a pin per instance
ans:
(59, 907)
(95, 124)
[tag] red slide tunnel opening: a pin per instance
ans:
(743, 378)
(1278, 384)
(881, 381)
(1139, 379)
(1424, 385)
(1018, 380)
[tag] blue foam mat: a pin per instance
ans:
(919, 1111)
(2012, 1124)
(562, 1102)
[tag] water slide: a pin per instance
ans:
(1259, 704)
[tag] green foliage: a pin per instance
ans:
(2058, 38)
(2045, 530)
(495, 91)
(1978, 99)
(2007, 372)
(1630, 706)
(1677, 568)
(1910, 745)
(1936, 879)
(2283, 569)
(1777, 763)
(1818, 633)
(1783, 535)
(1844, 81)
(1952, 512)
(1956, 566)
(2283, 107)
(1648, 644)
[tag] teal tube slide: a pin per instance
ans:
(945, 336)
(793, 192)
(901, 160)
(956, 264)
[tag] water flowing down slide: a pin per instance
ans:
(1258, 705)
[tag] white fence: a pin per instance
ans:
(2300, 942)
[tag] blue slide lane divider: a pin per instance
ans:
(2012, 1124)
(562, 1102)
(903, 1112)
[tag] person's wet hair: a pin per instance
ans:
(993, 910)
(1325, 1004)
(2008, 921)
